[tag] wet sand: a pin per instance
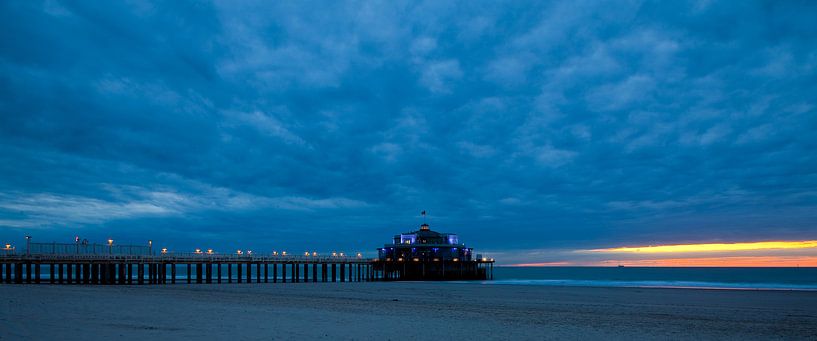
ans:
(399, 311)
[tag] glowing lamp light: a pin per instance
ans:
(209, 251)
(485, 259)
(399, 259)
(274, 253)
(359, 255)
(164, 250)
(314, 254)
(284, 253)
(306, 253)
(249, 252)
(110, 241)
(456, 259)
(341, 254)
(416, 259)
(334, 254)
(238, 252)
(436, 259)
(198, 251)
(8, 246)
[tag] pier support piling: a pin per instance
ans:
(18, 273)
(306, 272)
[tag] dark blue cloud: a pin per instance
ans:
(321, 126)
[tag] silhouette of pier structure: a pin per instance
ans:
(109, 264)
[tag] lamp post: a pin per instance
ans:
(150, 247)
(28, 245)
(110, 246)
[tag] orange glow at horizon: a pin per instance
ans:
(758, 261)
(682, 248)
(522, 265)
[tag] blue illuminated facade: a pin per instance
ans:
(425, 245)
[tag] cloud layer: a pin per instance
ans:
(331, 125)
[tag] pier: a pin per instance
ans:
(171, 269)
(52, 263)
(416, 256)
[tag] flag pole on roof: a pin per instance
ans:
(425, 225)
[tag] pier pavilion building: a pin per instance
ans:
(429, 255)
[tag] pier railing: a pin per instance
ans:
(86, 249)
(182, 257)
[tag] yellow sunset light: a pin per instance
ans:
(805, 244)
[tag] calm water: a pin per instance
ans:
(720, 278)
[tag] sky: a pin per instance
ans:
(550, 133)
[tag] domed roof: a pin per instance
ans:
(427, 234)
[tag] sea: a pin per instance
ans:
(660, 277)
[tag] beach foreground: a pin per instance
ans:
(400, 311)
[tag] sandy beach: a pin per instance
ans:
(400, 311)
